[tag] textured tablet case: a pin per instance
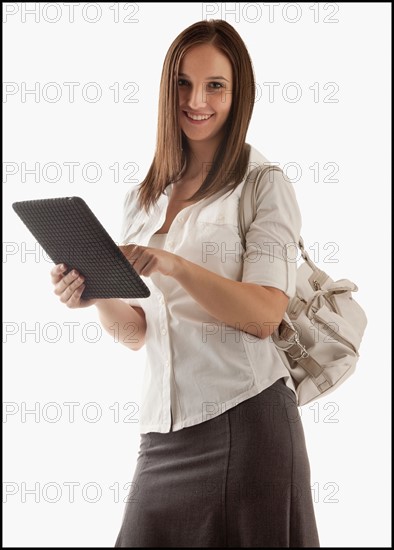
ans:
(70, 233)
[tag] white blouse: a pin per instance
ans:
(196, 367)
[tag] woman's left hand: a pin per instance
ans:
(147, 260)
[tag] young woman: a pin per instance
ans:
(222, 458)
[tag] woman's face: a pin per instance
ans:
(204, 87)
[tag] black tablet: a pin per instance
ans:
(70, 233)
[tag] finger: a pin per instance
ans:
(138, 260)
(65, 281)
(148, 267)
(68, 292)
(127, 249)
(142, 257)
(135, 249)
(75, 298)
(57, 273)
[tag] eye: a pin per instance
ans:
(219, 85)
(181, 81)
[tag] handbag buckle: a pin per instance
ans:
(303, 352)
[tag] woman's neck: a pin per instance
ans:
(200, 158)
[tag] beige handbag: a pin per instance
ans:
(321, 332)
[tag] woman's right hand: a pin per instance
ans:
(70, 287)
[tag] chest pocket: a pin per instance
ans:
(221, 212)
(219, 233)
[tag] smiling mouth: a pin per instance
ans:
(197, 118)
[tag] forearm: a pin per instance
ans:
(231, 302)
(125, 323)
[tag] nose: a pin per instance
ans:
(197, 96)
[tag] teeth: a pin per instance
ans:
(198, 117)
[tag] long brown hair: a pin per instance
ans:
(231, 157)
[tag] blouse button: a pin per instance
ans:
(163, 331)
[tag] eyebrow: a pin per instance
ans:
(208, 77)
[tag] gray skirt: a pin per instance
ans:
(237, 480)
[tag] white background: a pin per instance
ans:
(349, 455)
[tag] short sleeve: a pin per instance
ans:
(271, 251)
(125, 223)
